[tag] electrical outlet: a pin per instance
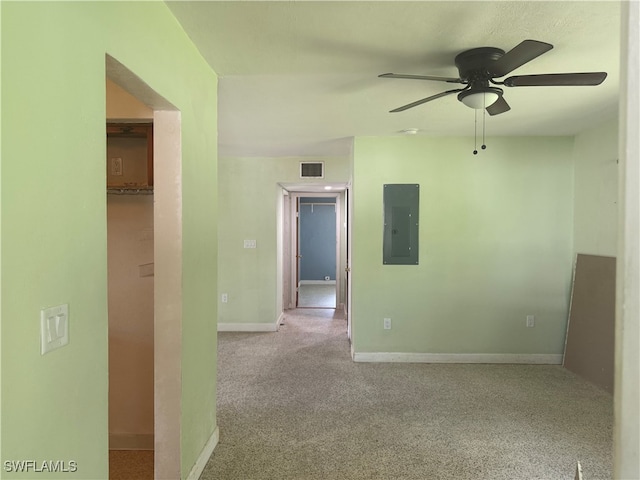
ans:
(531, 321)
(116, 166)
(225, 298)
(387, 323)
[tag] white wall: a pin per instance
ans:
(595, 201)
(627, 362)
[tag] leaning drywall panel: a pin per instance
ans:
(590, 334)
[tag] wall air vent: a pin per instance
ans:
(311, 169)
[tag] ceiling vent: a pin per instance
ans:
(311, 169)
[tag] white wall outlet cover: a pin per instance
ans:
(249, 244)
(54, 328)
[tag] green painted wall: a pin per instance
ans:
(250, 195)
(54, 220)
(495, 245)
(596, 191)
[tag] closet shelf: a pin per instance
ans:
(130, 191)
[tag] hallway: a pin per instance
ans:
(292, 405)
(317, 296)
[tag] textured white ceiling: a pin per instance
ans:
(300, 78)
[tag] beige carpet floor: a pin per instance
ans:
(292, 405)
(130, 464)
(317, 296)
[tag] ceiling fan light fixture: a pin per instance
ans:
(479, 99)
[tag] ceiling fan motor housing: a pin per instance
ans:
(474, 67)
(474, 64)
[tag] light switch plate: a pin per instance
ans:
(249, 244)
(54, 328)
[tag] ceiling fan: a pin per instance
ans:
(479, 67)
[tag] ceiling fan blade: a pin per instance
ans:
(519, 55)
(556, 79)
(498, 107)
(425, 100)
(420, 77)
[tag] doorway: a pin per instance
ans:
(317, 251)
(130, 260)
(164, 234)
(293, 195)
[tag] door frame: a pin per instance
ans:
(295, 240)
(286, 226)
(167, 255)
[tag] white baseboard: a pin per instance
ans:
(401, 357)
(203, 458)
(251, 327)
(131, 441)
(317, 282)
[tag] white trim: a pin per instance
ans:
(626, 394)
(317, 282)
(312, 190)
(203, 458)
(402, 357)
(131, 441)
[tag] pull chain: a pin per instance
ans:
(475, 132)
(484, 117)
(475, 127)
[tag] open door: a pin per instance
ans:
(297, 247)
(347, 268)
